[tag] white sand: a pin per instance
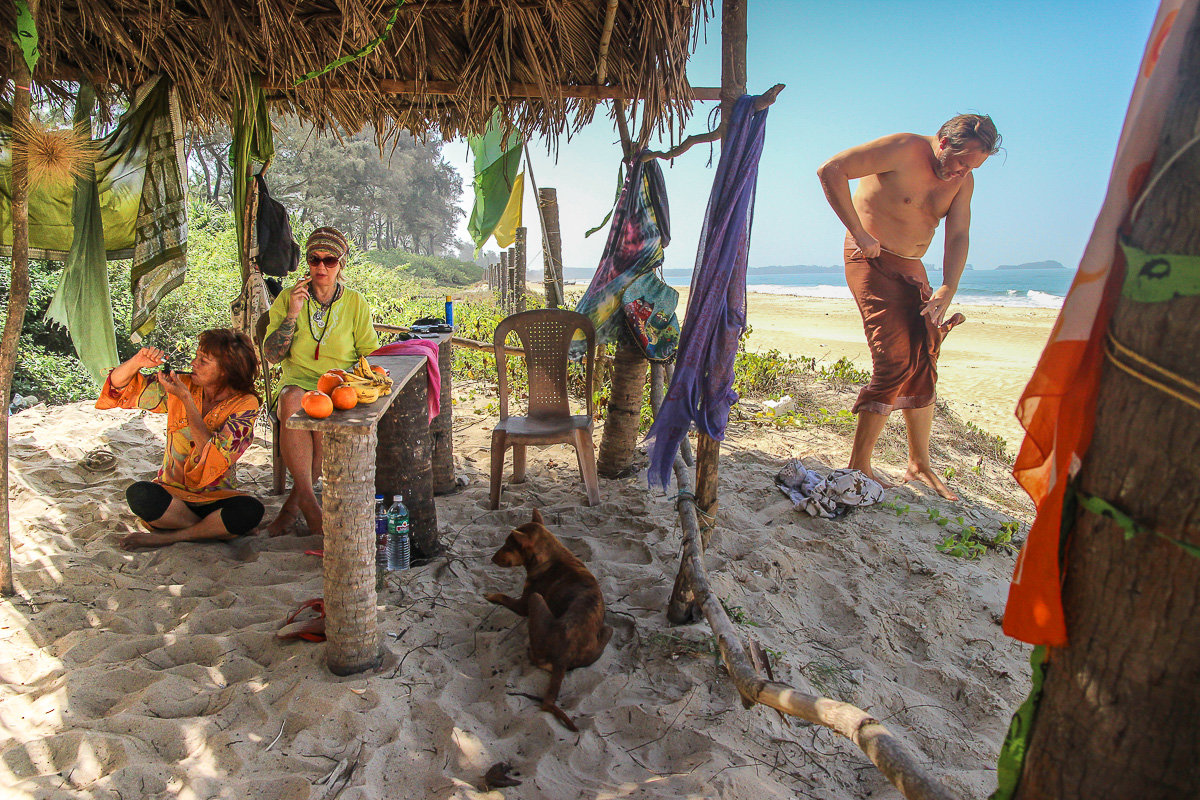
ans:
(157, 673)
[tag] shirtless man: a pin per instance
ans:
(907, 185)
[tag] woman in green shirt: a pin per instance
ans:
(315, 326)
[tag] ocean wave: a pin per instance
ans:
(1013, 298)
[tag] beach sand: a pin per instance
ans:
(157, 674)
(984, 366)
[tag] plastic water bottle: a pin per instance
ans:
(397, 532)
(450, 311)
(381, 540)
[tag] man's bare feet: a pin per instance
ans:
(879, 478)
(928, 477)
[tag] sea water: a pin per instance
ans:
(1021, 288)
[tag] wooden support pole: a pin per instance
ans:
(733, 86)
(18, 301)
(503, 280)
(512, 280)
(521, 286)
(551, 247)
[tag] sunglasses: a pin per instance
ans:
(329, 261)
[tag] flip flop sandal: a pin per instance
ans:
(312, 630)
(99, 461)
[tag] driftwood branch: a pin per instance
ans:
(764, 100)
(885, 751)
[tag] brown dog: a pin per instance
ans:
(563, 602)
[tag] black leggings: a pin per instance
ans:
(239, 514)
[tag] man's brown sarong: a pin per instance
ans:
(890, 291)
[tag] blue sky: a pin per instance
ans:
(1055, 76)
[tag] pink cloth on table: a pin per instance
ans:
(429, 349)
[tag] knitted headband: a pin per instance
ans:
(329, 240)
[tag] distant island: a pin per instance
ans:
(1034, 265)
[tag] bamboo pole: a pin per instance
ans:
(551, 247)
(18, 300)
(519, 270)
(610, 17)
(880, 746)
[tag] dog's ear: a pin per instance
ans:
(537, 517)
(520, 538)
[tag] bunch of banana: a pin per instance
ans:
(368, 385)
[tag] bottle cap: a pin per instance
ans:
(399, 498)
(378, 497)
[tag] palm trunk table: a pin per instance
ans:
(392, 434)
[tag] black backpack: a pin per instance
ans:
(278, 253)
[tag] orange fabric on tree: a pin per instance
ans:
(1058, 405)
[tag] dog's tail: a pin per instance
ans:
(550, 700)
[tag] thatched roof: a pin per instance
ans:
(443, 69)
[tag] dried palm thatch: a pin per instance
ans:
(441, 71)
(56, 156)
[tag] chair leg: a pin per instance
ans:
(518, 463)
(586, 452)
(499, 444)
(278, 468)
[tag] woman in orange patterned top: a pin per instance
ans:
(210, 423)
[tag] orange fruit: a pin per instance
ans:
(328, 382)
(344, 397)
(317, 405)
(380, 371)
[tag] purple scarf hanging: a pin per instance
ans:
(702, 389)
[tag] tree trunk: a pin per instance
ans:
(624, 411)
(18, 301)
(1120, 704)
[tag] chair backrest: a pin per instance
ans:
(546, 336)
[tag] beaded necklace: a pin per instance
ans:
(320, 317)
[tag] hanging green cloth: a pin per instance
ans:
(143, 205)
(497, 158)
(253, 141)
(82, 304)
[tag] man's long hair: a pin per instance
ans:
(234, 351)
(967, 129)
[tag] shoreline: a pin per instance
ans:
(984, 365)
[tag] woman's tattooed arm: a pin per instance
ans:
(277, 345)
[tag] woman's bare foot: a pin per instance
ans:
(928, 477)
(282, 523)
(312, 517)
(132, 541)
